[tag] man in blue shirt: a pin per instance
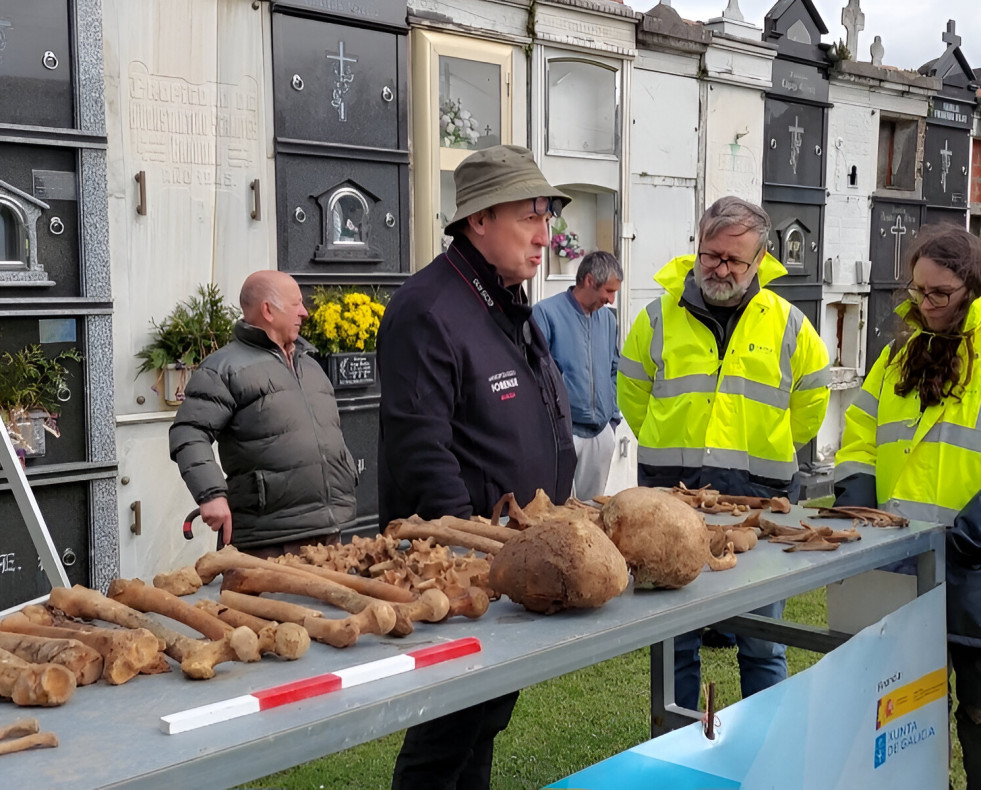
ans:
(583, 340)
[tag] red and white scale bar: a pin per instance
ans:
(275, 696)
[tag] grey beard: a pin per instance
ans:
(718, 291)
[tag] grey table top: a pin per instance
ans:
(110, 736)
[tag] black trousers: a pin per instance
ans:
(453, 752)
(966, 662)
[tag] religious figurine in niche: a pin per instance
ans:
(348, 214)
(792, 235)
(795, 247)
(346, 211)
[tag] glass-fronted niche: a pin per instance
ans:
(582, 107)
(587, 223)
(462, 102)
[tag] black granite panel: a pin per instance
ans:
(337, 84)
(65, 510)
(946, 164)
(36, 63)
(794, 136)
(341, 215)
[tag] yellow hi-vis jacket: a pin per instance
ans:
(926, 464)
(747, 413)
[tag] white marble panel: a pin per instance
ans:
(185, 102)
(665, 121)
(663, 215)
(589, 30)
(154, 481)
(733, 143)
(507, 19)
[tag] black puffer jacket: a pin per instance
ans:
(473, 405)
(289, 473)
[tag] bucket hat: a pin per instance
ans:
(496, 175)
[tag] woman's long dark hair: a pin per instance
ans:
(929, 363)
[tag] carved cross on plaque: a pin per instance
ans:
(343, 77)
(945, 153)
(898, 230)
(950, 37)
(796, 137)
(854, 21)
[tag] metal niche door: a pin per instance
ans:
(794, 147)
(36, 64)
(946, 155)
(894, 226)
(336, 84)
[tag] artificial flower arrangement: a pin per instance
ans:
(457, 127)
(343, 320)
(565, 243)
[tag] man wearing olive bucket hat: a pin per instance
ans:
(472, 406)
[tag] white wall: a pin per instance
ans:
(663, 169)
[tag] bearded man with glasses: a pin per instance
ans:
(722, 381)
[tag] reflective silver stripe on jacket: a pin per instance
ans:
(817, 380)
(849, 468)
(632, 369)
(692, 457)
(942, 433)
(956, 435)
(657, 338)
(757, 391)
(683, 385)
(894, 432)
(867, 402)
(795, 320)
(920, 511)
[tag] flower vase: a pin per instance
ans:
(568, 265)
(30, 427)
(175, 378)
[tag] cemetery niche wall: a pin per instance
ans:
(54, 290)
(340, 97)
(795, 141)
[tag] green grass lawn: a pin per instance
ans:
(566, 724)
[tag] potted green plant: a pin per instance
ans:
(33, 387)
(343, 326)
(197, 326)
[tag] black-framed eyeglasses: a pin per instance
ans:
(543, 206)
(936, 298)
(710, 260)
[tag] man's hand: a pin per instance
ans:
(215, 514)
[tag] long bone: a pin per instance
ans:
(144, 598)
(376, 619)
(197, 658)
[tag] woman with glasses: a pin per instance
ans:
(912, 441)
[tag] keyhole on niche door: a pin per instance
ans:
(853, 176)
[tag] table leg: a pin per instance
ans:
(665, 714)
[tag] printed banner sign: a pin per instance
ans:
(872, 713)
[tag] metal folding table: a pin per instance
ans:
(111, 736)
